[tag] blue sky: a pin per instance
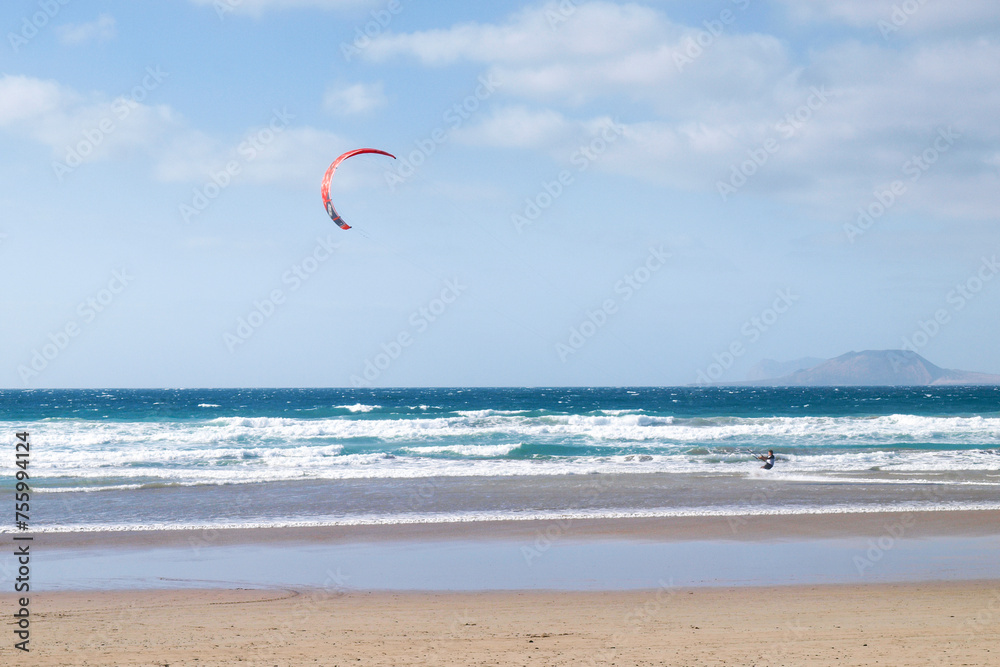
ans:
(586, 193)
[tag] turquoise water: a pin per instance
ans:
(167, 458)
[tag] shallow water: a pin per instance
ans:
(459, 565)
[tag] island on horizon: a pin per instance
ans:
(868, 368)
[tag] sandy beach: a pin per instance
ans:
(913, 623)
(918, 624)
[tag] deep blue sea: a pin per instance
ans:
(156, 458)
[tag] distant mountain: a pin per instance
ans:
(769, 368)
(877, 368)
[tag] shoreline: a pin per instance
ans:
(556, 555)
(748, 527)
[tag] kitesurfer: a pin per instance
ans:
(768, 460)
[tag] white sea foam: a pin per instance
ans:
(468, 517)
(482, 442)
(466, 450)
(359, 407)
(307, 463)
(483, 414)
(895, 430)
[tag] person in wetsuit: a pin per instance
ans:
(768, 460)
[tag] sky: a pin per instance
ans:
(583, 193)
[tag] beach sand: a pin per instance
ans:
(915, 623)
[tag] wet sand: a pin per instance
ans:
(752, 528)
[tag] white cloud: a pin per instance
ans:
(82, 129)
(602, 50)
(909, 16)
(354, 99)
(101, 30)
(517, 127)
(735, 67)
(297, 157)
(291, 156)
(687, 125)
(258, 7)
(591, 30)
(699, 103)
(23, 97)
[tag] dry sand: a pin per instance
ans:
(913, 624)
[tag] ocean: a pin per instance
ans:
(134, 459)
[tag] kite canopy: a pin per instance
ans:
(325, 190)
